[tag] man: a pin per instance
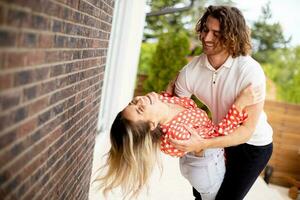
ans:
(216, 77)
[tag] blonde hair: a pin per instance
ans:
(131, 158)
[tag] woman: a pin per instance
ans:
(145, 124)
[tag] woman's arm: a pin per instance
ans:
(241, 135)
(236, 114)
(233, 119)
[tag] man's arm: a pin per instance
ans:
(241, 135)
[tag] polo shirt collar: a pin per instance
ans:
(228, 63)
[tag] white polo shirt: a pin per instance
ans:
(218, 89)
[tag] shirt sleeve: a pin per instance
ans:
(182, 88)
(230, 122)
(253, 73)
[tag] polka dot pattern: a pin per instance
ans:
(195, 118)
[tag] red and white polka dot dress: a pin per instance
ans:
(195, 118)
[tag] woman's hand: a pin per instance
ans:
(249, 96)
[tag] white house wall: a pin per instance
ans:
(122, 59)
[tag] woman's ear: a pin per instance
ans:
(153, 125)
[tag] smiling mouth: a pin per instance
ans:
(209, 46)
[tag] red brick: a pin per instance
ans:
(5, 121)
(57, 70)
(29, 93)
(47, 87)
(96, 3)
(23, 77)
(7, 38)
(87, 8)
(42, 74)
(10, 99)
(28, 40)
(7, 138)
(57, 26)
(64, 148)
(62, 1)
(52, 56)
(48, 110)
(45, 41)
(40, 23)
(69, 167)
(6, 81)
(59, 41)
(26, 128)
(2, 60)
(73, 3)
(53, 9)
(20, 114)
(18, 19)
(72, 42)
(35, 58)
(15, 59)
(2, 15)
(37, 106)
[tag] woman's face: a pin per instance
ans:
(144, 108)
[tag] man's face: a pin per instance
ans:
(210, 37)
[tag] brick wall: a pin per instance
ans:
(52, 57)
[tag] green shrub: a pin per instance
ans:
(168, 59)
(146, 55)
(283, 68)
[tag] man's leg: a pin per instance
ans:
(196, 194)
(244, 164)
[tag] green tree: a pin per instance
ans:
(267, 36)
(283, 69)
(146, 55)
(180, 20)
(156, 25)
(168, 59)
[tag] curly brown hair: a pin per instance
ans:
(235, 34)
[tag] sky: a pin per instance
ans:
(285, 12)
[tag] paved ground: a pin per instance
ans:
(171, 185)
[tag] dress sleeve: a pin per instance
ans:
(167, 147)
(165, 94)
(231, 121)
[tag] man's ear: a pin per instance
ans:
(152, 125)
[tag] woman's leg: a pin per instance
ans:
(205, 173)
(244, 163)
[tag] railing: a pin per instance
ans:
(285, 121)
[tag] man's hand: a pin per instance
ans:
(196, 143)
